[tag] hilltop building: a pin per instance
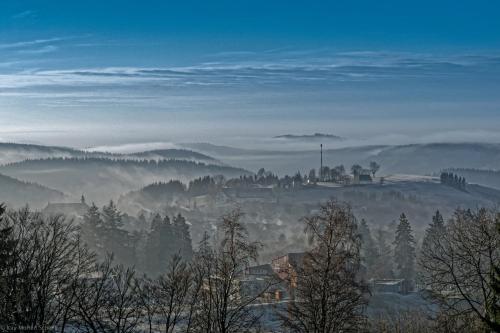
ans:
(364, 177)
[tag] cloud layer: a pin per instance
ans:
(353, 94)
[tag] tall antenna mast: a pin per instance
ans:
(321, 163)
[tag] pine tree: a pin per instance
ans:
(368, 248)
(92, 230)
(383, 267)
(157, 222)
(111, 216)
(141, 221)
(116, 240)
(404, 251)
(181, 232)
(162, 244)
(435, 230)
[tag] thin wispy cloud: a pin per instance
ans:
(41, 50)
(24, 14)
(354, 67)
(35, 42)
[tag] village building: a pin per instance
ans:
(262, 277)
(287, 267)
(75, 210)
(363, 177)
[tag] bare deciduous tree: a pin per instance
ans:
(458, 267)
(107, 300)
(222, 307)
(329, 296)
(146, 289)
(39, 280)
(171, 293)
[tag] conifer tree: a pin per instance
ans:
(141, 220)
(368, 248)
(404, 250)
(383, 267)
(183, 237)
(435, 229)
(116, 240)
(159, 239)
(111, 216)
(312, 176)
(92, 230)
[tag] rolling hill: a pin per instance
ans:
(101, 179)
(17, 193)
(423, 159)
(13, 152)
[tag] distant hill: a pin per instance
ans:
(173, 154)
(223, 151)
(17, 193)
(271, 215)
(413, 159)
(381, 204)
(14, 152)
(154, 196)
(101, 179)
(309, 137)
(431, 158)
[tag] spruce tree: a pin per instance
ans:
(111, 216)
(404, 251)
(141, 221)
(383, 268)
(161, 245)
(92, 230)
(181, 232)
(368, 248)
(117, 241)
(435, 230)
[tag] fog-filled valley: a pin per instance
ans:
(200, 182)
(253, 166)
(154, 210)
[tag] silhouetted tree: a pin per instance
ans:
(404, 251)
(374, 167)
(221, 306)
(312, 176)
(93, 232)
(171, 295)
(369, 251)
(107, 300)
(329, 297)
(38, 282)
(116, 240)
(356, 169)
(458, 268)
(436, 229)
(383, 267)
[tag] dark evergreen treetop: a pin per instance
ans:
(404, 249)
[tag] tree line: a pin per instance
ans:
(103, 232)
(451, 179)
(51, 281)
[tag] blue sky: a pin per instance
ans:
(88, 73)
